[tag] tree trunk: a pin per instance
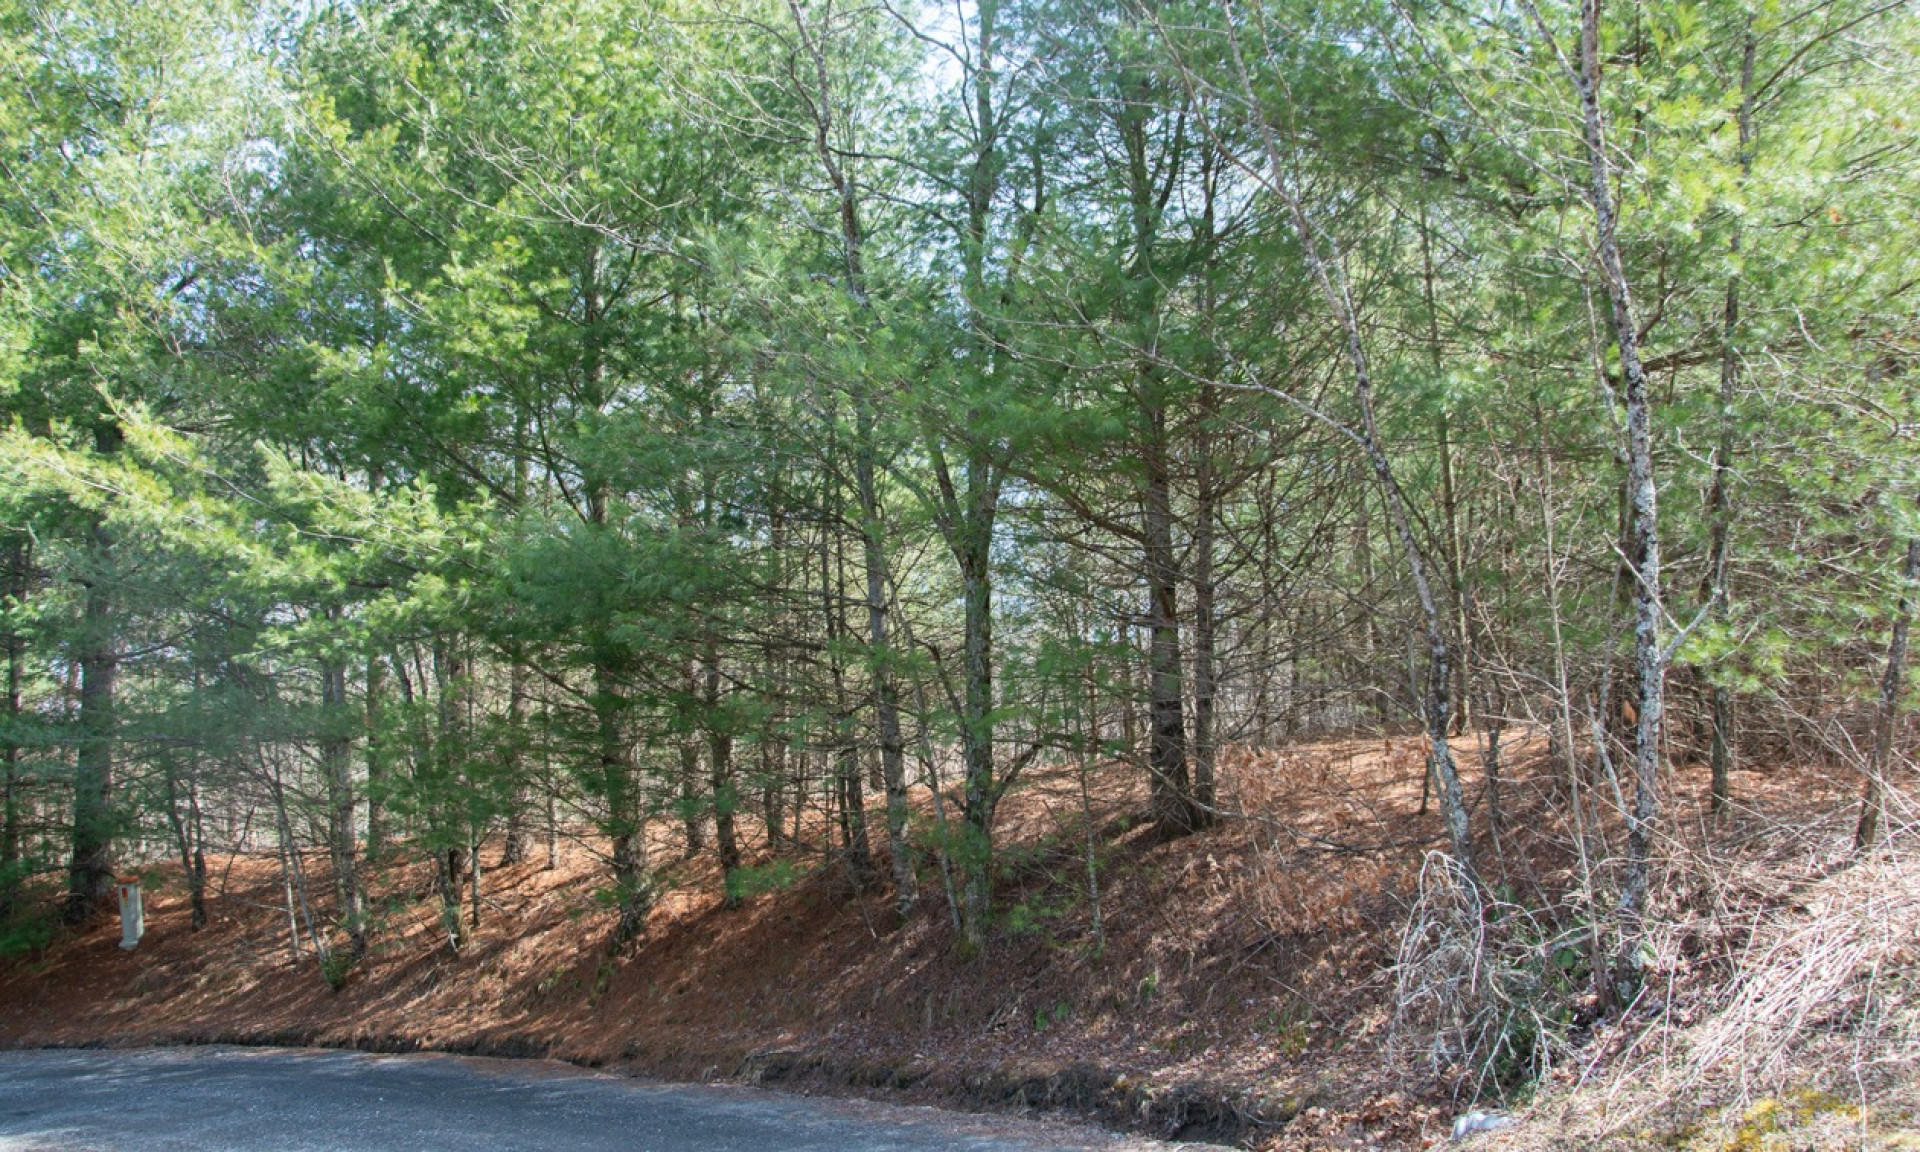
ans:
(90, 872)
(693, 825)
(450, 670)
(847, 794)
(626, 807)
(886, 697)
(295, 874)
(1207, 496)
(979, 791)
(1649, 663)
(1327, 265)
(726, 796)
(19, 558)
(774, 753)
(1456, 560)
(377, 782)
(633, 886)
(1642, 497)
(1873, 803)
(1171, 783)
(886, 694)
(336, 757)
(186, 837)
(1170, 779)
(967, 516)
(1205, 621)
(515, 841)
(1719, 499)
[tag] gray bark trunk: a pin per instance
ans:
(1325, 261)
(1886, 719)
(1643, 533)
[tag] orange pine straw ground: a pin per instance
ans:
(1244, 992)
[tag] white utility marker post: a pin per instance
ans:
(133, 920)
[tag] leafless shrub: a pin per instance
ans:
(1481, 1002)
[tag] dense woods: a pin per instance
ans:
(436, 431)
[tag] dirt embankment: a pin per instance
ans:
(1237, 990)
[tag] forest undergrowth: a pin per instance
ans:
(1309, 973)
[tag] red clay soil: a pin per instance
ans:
(1242, 994)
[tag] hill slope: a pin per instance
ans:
(1241, 986)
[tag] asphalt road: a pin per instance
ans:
(266, 1098)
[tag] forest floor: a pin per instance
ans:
(1241, 987)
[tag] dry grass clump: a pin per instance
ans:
(1804, 1032)
(1832, 976)
(1483, 988)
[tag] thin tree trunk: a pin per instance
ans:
(979, 791)
(550, 785)
(1456, 577)
(886, 694)
(849, 787)
(1719, 500)
(967, 510)
(773, 774)
(197, 868)
(720, 765)
(886, 698)
(295, 875)
(1170, 778)
(693, 826)
(473, 876)
(1205, 622)
(19, 558)
(1873, 803)
(515, 840)
(1207, 496)
(1456, 559)
(293, 915)
(1169, 775)
(1494, 763)
(450, 673)
(1328, 267)
(446, 883)
(336, 757)
(1649, 660)
(613, 760)
(376, 756)
(632, 884)
(930, 767)
(374, 739)
(1089, 749)
(193, 862)
(774, 753)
